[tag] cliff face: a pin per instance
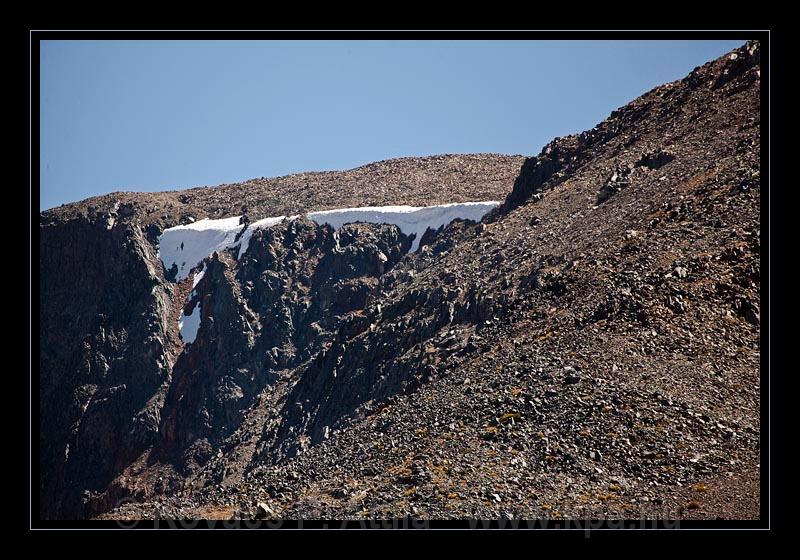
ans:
(277, 307)
(116, 377)
(107, 351)
(592, 343)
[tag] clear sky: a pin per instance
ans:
(152, 115)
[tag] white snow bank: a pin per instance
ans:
(186, 246)
(189, 324)
(197, 277)
(409, 219)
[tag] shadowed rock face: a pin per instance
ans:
(281, 304)
(593, 343)
(106, 356)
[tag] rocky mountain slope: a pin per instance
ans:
(110, 348)
(591, 347)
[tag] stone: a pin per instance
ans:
(263, 511)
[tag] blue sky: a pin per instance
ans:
(151, 115)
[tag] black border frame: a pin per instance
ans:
(599, 528)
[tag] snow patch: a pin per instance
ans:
(197, 277)
(409, 219)
(189, 324)
(186, 246)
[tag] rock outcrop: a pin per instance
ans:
(106, 355)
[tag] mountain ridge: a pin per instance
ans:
(415, 181)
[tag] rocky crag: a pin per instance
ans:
(591, 347)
